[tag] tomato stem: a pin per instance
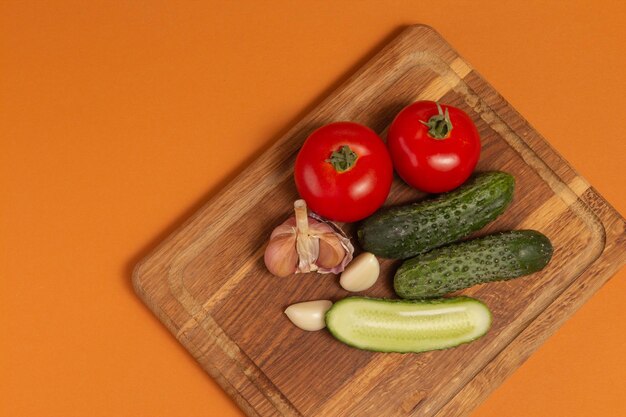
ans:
(439, 125)
(343, 159)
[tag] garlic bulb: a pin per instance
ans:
(305, 244)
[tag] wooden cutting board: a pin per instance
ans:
(208, 285)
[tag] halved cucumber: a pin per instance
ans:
(383, 325)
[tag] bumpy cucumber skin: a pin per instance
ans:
(440, 301)
(405, 231)
(497, 257)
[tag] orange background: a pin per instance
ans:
(119, 118)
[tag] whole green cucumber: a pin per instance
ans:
(496, 257)
(405, 231)
(407, 326)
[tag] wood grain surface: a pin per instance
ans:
(208, 285)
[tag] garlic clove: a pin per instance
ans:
(309, 315)
(331, 251)
(361, 273)
(318, 228)
(283, 229)
(281, 257)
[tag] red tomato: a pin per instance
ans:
(434, 148)
(344, 171)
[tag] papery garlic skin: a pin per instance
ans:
(309, 315)
(361, 274)
(307, 246)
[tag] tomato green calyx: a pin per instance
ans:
(343, 159)
(439, 125)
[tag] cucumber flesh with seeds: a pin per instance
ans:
(496, 257)
(403, 326)
(405, 231)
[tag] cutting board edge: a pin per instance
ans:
(612, 244)
(226, 367)
(143, 267)
(556, 314)
(594, 276)
(510, 358)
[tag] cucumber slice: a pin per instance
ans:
(402, 326)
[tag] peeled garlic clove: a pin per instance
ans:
(309, 315)
(361, 273)
(331, 252)
(281, 257)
